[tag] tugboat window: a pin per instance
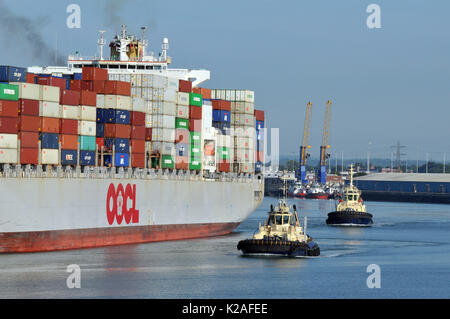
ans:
(279, 219)
(286, 220)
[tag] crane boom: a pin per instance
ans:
(324, 148)
(305, 144)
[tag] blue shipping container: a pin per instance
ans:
(109, 116)
(121, 145)
(258, 167)
(225, 116)
(260, 135)
(122, 159)
(78, 76)
(50, 140)
(259, 125)
(100, 130)
(87, 158)
(68, 157)
(107, 160)
(100, 116)
(12, 74)
(122, 117)
(216, 115)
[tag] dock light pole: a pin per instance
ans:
(368, 157)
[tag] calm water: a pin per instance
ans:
(410, 243)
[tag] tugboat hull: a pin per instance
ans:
(349, 218)
(278, 247)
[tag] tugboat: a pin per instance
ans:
(316, 192)
(299, 190)
(351, 210)
(281, 234)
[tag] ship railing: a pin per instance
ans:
(100, 172)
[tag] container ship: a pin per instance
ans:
(123, 151)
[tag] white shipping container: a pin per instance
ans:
(113, 76)
(49, 156)
(88, 113)
(224, 141)
(28, 91)
(249, 108)
(183, 98)
(138, 105)
(70, 112)
(100, 101)
(245, 142)
(244, 155)
(125, 77)
(159, 81)
(136, 92)
(230, 95)
(163, 135)
(213, 94)
(49, 109)
(183, 111)
(164, 108)
(169, 95)
(149, 107)
(246, 168)
(147, 80)
(49, 93)
(148, 120)
(8, 141)
(163, 121)
(8, 156)
(87, 128)
(120, 102)
(207, 117)
(173, 84)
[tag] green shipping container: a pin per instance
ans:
(196, 138)
(196, 151)
(224, 153)
(9, 92)
(195, 164)
(87, 143)
(182, 123)
(195, 99)
(167, 162)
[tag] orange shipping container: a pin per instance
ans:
(68, 142)
(118, 88)
(206, 93)
(138, 160)
(137, 146)
(49, 125)
(117, 130)
(88, 98)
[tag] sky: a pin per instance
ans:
(386, 84)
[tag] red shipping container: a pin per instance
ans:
(182, 136)
(69, 127)
(95, 86)
(86, 86)
(138, 132)
(92, 74)
(118, 88)
(88, 98)
(206, 93)
(259, 156)
(29, 139)
(259, 115)
(70, 97)
(75, 85)
(148, 134)
(29, 107)
(137, 146)
(182, 162)
(195, 125)
(195, 112)
(138, 160)
(29, 156)
(68, 142)
(8, 125)
(29, 123)
(30, 78)
(49, 125)
(137, 118)
(9, 108)
(221, 105)
(224, 167)
(185, 86)
(100, 142)
(51, 81)
(117, 130)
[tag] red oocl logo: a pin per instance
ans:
(117, 202)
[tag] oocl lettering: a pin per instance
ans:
(117, 202)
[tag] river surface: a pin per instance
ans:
(410, 243)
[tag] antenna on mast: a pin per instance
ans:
(101, 43)
(144, 41)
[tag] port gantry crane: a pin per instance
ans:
(324, 155)
(305, 145)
